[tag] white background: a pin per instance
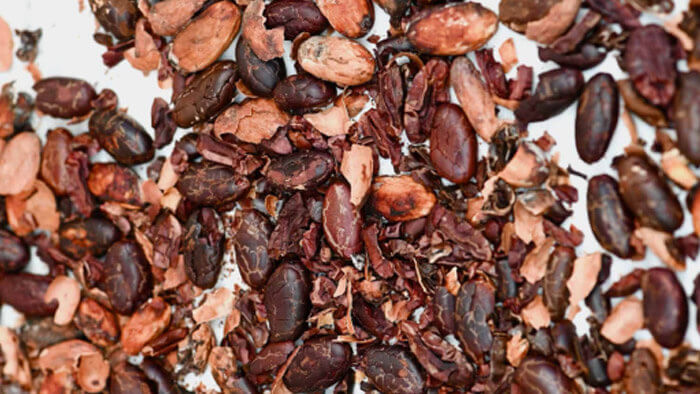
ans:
(67, 49)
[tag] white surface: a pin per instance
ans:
(67, 49)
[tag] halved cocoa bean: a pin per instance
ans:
(400, 198)
(341, 221)
(19, 163)
(351, 18)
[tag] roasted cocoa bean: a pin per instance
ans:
(588, 56)
(556, 90)
(25, 293)
(146, 324)
(252, 231)
(211, 184)
(63, 97)
(342, 224)
(164, 381)
(303, 170)
(474, 305)
(97, 323)
(93, 235)
(296, 16)
(301, 93)
(287, 302)
(611, 222)
(271, 357)
(536, 375)
(642, 374)
(518, 13)
(128, 379)
(54, 170)
(453, 146)
(202, 246)
(351, 18)
(258, 76)
(127, 277)
(400, 198)
(14, 254)
(444, 310)
(392, 369)
(665, 306)
(336, 59)
(555, 290)
(686, 114)
(116, 16)
(596, 117)
(121, 136)
(639, 106)
(206, 95)
(320, 363)
(651, 64)
(112, 182)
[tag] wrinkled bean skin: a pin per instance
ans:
(159, 376)
(642, 374)
(14, 254)
(596, 117)
(646, 193)
(25, 293)
(453, 145)
(116, 16)
(93, 235)
(202, 246)
(302, 170)
(651, 64)
(128, 281)
(258, 76)
(112, 182)
(686, 113)
(122, 136)
(392, 369)
(287, 302)
(206, 95)
(342, 224)
(537, 375)
(556, 90)
(611, 222)
(559, 269)
(320, 363)
(97, 323)
(128, 379)
(444, 310)
(63, 97)
(665, 307)
(301, 93)
(211, 184)
(297, 16)
(250, 245)
(474, 305)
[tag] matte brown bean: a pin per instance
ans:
(556, 293)
(116, 16)
(596, 117)
(555, 91)
(320, 363)
(453, 145)
(474, 305)
(297, 16)
(537, 375)
(611, 222)
(206, 95)
(302, 170)
(211, 184)
(686, 113)
(127, 277)
(252, 231)
(651, 63)
(121, 136)
(342, 224)
(642, 373)
(287, 302)
(202, 246)
(258, 76)
(63, 97)
(665, 307)
(392, 369)
(301, 93)
(128, 379)
(113, 182)
(93, 235)
(25, 293)
(14, 254)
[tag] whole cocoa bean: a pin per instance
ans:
(206, 95)
(611, 222)
(93, 235)
(474, 305)
(642, 374)
(258, 76)
(121, 136)
(211, 184)
(113, 182)
(287, 302)
(127, 276)
(342, 224)
(392, 369)
(116, 16)
(351, 18)
(63, 97)
(646, 193)
(537, 375)
(301, 93)
(596, 117)
(54, 170)
(97, 323)
(14, 254)
(252, 231)
(556, 293)
(202, 246)
(25, 293)
(555, 91)
(320, 363)
(297, 16)
(453, 146)
(302, 170)
(336, 59)
(665, 307)
(686, 113)
(128, 379)
(651, 64)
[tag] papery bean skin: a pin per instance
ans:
(596, 117)
(14, 254)
(392, 369)
(287, 302)
(556, 90)
(63, 97)
(342, 224)
(303, 170)
(537, 375)
(611, 222)
(113, 182)
(250, 246)
(665, 307)
(651, 64)
(320, 363)
(559, 269)
(301, 93)
(686, 113)
(202, 246)
(453, 145)
(474, 304)
(116, 16)
(258, 76)
(207, 94)
(25, 293)
(128, 379)
(93, 235)
(297, 16)
(122, 137)
(128, 281)
(211, 184)
(97, 323)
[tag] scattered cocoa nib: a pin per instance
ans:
(29, 41)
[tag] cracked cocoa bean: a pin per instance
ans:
(252, 231)
(122, 137)
(211, 184)
(392, 369)
(302, 170)
(127, 277)
(93, 235)
(206, 95)
(287, 302)
(202, 246)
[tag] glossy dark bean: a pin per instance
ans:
(686, 113)
(159, 376)
(127, 276)
(642, 374)
(444, 310)
(556, 293)
(537, 375)
(320, 363)
(206, 95)
(392, 369)
(372, 319)
(474, 305)
(297, 16)
(202, 246)
(121, 136)
(302, 170)
(342, 224)
(596, 117)
(14, 254)
(301, 93)
(453, 146)
(556, 90)
(252, 231)
(258, 76)
(611, 222)
(287, 302)
(63, 97)
(588, 56)
(116, 16)
(211, 184)
(128, 379)
(25, 293)
(650, 61)
(93, 235)
(113, 182)
(665, 307)
(645, 192)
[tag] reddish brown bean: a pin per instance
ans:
(271, 357)
(25, 293)
(127, 277)
(116, 16)
(474, 305)
(63, 97)
(665, 306)
(651, 64)
(351, 18)
(121, 136)
(287, 302)
(301, 93)
(342, 224)
(93, 235)
(14, 254)
(211, 184)
(97, 323)
(611, 222)
(320, 363)
(258, 76)
(686, 113)
(112, 182)
(556, 293)
(302, 170)
(642, 374)
(536, 375)
(556, 90)
(297, 16)
(206, 95)
(128, 379)
(252, 231)
(392, 369)
(202, 246)
(596, 117)
(453, 146)
(444, 310)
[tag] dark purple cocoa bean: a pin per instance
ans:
(686, 114)
(211, 184)
(25, 293)
(258, 76)
(537, 375)
(116, 16)
(556, 293)
(207, 94)
(121, 136)
(665, 307)
(474, 305)
(202, 246)
(301, 93)
(129, 379)
(113, 182)
(651, 63)
(372, 319)
(319, 364)
(301, 170)
(444, 310)
(252, 231)
(392, 369)
(271, 357)
(163, 380)
(588, 56)
(645, 192)
(287, 302)
(611, 222)
(297, 16)
(639, 106)
(453, 146)
(596, 117)
(127, 276)
(93, 235)
(642, 374)
(14, 254)
(556, 90)
(63, 97)
(342, 224)
(188, 144)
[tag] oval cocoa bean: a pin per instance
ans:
(342, 224)
(93, 235)
(686, 113)
(127, 277)
(112, 182)
(206, 95)
(611, 222)
(63, 97)
(202, 246)
(211, 184)
(301, 93)
(555, 91)
(25, 293)
(287, 302)
(651, 64)
(116, 16)
(54, 170)
(320, 363)
(97, 323)
(474, 305)
(554, 285)
(121, 136)
(258, 76)
(444, 310)
(252, 231)
(646, 193)
(453, 145)
(303, 170)
(128, 379)
(336, 59)
(596, 117)
(665, 307)
(14, 254)
(392, 369)
(351, 18)
(297, 16)
(537, 375)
